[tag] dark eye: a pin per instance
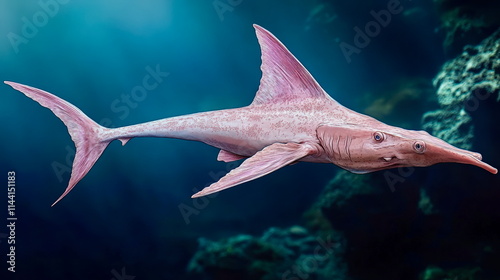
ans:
(378, 136)
(419, 147)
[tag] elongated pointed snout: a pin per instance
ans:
(449, 153)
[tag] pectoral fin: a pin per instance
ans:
(267, 160)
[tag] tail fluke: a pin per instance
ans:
(83, 131)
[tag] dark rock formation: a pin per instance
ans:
(463, 85)
(466, 22)
(436, 273)
(378, 224)
(289, 254)
(400, 102)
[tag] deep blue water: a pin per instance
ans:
(125, 212)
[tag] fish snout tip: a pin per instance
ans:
(494, 170)
(469, 157)
(477, 157)
(486, 167)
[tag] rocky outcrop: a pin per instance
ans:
(376, 213)
(291, 253)
(463, 84)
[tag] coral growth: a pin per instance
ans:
(291, 253)
(436, 273)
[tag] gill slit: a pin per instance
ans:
(348, 146)
(338, 147)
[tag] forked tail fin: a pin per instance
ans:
(86, 133)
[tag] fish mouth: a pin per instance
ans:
(390, 162)
(388, 159)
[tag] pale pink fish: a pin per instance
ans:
(291, 119)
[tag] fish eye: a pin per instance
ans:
(378, 136)
(419, 147)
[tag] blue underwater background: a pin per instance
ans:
(132, 216)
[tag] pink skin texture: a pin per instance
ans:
(291, 119)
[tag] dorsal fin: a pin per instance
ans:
(283, 76)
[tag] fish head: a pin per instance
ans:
(363, 149)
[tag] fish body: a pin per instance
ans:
(291, 119)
